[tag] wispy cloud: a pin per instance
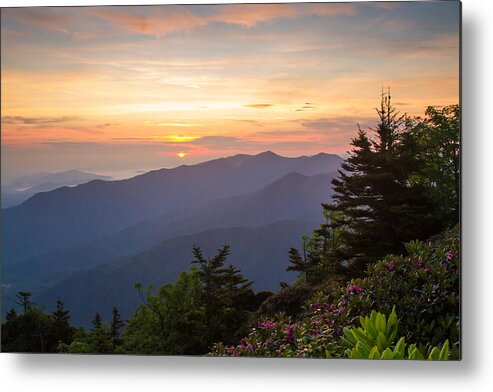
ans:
(337, 124)
(40, 17)
(259, 105)
(18, 120)
(168, 19)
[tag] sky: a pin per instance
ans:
(123, 89)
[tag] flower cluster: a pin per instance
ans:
(425, 284)
(354, 288)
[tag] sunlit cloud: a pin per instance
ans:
(259, 105)
(143, 84)
(179, 138)
(36, 120)
(180, 125)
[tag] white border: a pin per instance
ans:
(90, 373)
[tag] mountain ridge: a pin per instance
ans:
(67, 217)
(260, 252)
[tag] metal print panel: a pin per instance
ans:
(263, 180)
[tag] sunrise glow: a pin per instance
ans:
(140, 84)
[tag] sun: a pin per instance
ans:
(182, 154)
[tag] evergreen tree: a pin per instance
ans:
(62, 331)
(116, 325)
(28, 332)
(100, 336)
(24, 300)
(374, 196)
(297, 262)
(225, 295)
(320, 251)
(11, 315)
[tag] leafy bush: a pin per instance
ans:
(424, 286)
(282, 337)
(375, 338)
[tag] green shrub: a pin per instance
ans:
(375, 340)
(423, 286)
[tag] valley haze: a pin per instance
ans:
(56, 240)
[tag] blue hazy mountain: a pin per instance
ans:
(261, 205)
(18, 190)
(292, 197)
(71, 216)
(260, 252)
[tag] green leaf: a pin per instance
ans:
(397, 356)
(362, 339)
(373, 317)
(391, 322)
(370, 328)
(382, 341)
(387, 354)
(414, 353)
(434, 354)
(380, 323)
(392, 335)
(375, 353)
(363, 350)
(356, 354)
(400, 347)
(444, 352)
(349, 337)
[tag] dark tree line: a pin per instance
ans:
(400, 183)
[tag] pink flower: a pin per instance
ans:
(450, 256)
(289, 333)
(353, 288)
(267, 324)
(390, 266)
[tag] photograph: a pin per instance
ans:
(268, 180)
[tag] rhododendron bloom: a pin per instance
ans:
(353, 288)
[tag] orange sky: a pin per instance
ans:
(124, 88)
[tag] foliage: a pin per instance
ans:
(116, 325)
(375, 340)
(99, 339)
(35, 331)
(378, 204)
(170, 320)
(226, 296)
(79, 347)
(289, 300)
(424, 286)
(319, 251)
(280, 336)
(438, 138)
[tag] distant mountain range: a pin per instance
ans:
(19, 190)
(58, 238)
(260, 253)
